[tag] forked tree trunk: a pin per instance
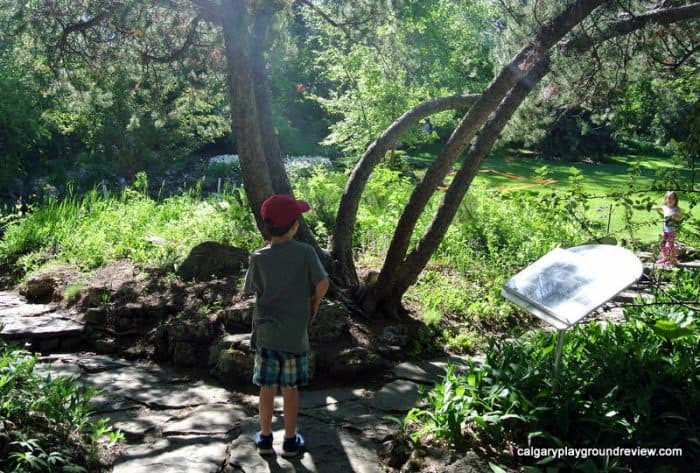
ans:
(389, 285)
(341, 241)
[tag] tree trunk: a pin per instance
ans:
(416, 260)
(341, 240)
(244, 111)
(477, 115)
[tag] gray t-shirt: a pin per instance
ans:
(284, 277)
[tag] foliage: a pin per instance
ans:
(492, 235)
(628, 385)
(380, 65)
(49, 422)
(91, 230)
(96, 111)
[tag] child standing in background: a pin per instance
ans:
(672, 215)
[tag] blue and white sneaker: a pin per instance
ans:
(264, 444)
(293, 446)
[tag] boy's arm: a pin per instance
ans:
(319, 292)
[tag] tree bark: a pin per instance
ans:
(479, 151)
(659, 16)
(244, 111)
(341, 241)
(477, 115)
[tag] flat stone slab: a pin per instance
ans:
(328, 449)
(156, 389)
(398, 396)
(428, 372)
(175, 455)
(136, 423)
(320, 398)
(34, 324)
(211, 419)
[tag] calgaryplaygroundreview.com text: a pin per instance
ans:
(571, 452)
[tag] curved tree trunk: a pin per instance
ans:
(509, 76)
(341, 241)
(479, 151)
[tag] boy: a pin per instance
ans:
(289, 282)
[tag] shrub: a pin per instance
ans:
(49, 422)
(629, 385)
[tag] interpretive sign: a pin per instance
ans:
(565, 285)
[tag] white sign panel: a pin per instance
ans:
(565, 285)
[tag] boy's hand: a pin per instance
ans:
(313, 310)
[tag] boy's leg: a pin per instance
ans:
(266, 408)
(295, 373)
(291, 411)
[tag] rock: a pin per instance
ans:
(428, 372)
(129, 310)
(71, 344)
(234, 366)
(398, 396)
(206, 420)
(105, 346)
(29, 322)
(175, 455)
(41, 288)
(48, 345)
(238, 317)
(213, 259)
(97, 296)
(191, 330)
(161, 343)
(352, 362)
(395, 335)
(96, 316)
(187, 354)
(330, 324)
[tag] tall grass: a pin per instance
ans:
(90, 230)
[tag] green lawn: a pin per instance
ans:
(513, 170)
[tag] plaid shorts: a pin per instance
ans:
(279, 368)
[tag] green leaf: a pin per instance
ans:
(496, 469)
(670, 330)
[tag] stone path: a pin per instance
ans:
(173, 422)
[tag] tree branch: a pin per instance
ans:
(179, 52)
(208, 10)
(84, 25)
(661, 16)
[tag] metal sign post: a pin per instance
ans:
(566, 285)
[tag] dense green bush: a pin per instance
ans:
(629, 385)
(48, 421)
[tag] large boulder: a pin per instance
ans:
(48, 286)
(211, 259)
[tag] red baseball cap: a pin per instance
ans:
(281, 210)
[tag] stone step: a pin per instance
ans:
(629, 296)
(39, 327)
